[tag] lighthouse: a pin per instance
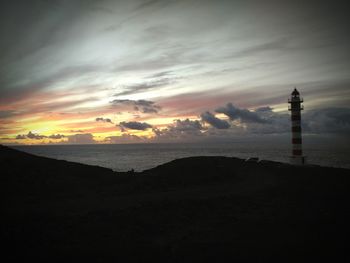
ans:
(295, 107)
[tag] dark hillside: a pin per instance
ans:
(199, 209)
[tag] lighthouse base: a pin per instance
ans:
(298, 160)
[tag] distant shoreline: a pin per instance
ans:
(124, 157)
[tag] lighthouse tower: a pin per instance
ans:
(295, 101)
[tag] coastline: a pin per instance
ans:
(197, 208)
(124, 157)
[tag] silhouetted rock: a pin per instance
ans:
(198, 209)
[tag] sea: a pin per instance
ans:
(125, 157)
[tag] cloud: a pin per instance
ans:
(214, 121)
(318, 121)
(141, 87)
(322, 121)
(134, 125)
(160, 74)
(166, 41)
(83, 138)
(79, 131)
(261, 121)
(7, 114)
(31, 135)
(144, 106)
(149, 3)
(180, 127)
(21, 137)
(35, 136)
(265, 121)
(187, 125)
(264, 109)
(279, 44)
(56, 136)
(104, 119)
(182, 130)
(243, 115)
(12, 93)
(328, 120)
(125, 138)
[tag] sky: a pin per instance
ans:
(136, 71)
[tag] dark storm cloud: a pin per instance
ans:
(104, 119)
(214, 121)
(134, 125)
(144, 106)
(243, 115)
